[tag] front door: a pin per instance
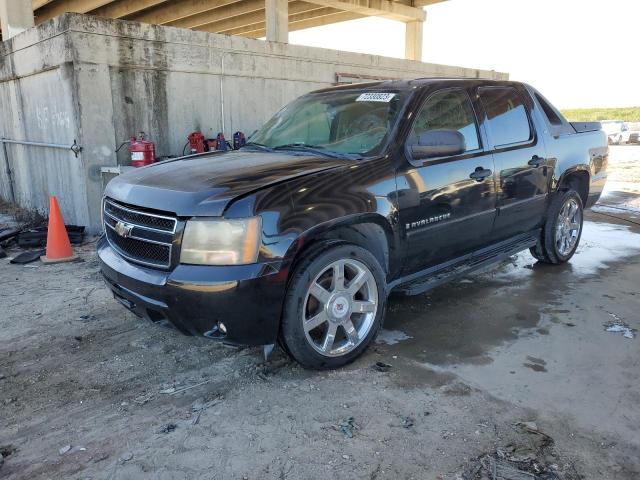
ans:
(447, 204)
(522, 171)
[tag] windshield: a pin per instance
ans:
(343, 122)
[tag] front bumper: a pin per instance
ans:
(246, 298)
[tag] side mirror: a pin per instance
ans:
(437, 143)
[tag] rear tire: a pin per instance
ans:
(334, 306)
(563, 229)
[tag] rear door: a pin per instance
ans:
(447, 204)
(522, 169)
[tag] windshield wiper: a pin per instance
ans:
(317, 149)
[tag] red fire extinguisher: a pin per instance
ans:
(196, 142)
(143, 152)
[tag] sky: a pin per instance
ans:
(578, 53)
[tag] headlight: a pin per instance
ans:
(211, 241)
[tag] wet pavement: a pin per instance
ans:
(535, 335)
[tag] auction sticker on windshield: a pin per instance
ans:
(375, 97)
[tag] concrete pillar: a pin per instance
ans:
(15, 16)
(277, 18)
(413, 40)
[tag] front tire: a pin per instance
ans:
(334, 306)
(563, 229)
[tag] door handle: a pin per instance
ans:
(537, 161)
(480, 174)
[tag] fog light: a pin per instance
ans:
(222, 328)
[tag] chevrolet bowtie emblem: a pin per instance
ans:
(123, 229)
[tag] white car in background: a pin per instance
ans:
(617, 131)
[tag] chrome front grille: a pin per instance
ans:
(139, 236)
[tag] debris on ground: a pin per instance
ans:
(200, 405)
(100, 457)
(496, 468)
(457, 389)
(175, 391)
(27, 257)
(64, 449)
(142, 399)
(535, 364)
(408, 422)
(347, 427)
(168, 428)
(125, 457)
(530, 458)
(381, 366)
(5, 451)
(391, 337)
(618, 326)
(37, 237)
(8, 233)
(263, 370)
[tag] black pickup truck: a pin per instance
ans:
(344, 196)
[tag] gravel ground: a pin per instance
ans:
(511, 367)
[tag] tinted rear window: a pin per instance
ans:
(550, 113)
(507, 115)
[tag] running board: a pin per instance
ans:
(439, 275)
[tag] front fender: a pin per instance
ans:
(371, 231)
(345, 199)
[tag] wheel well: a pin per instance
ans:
(370, 236)
(578, 181)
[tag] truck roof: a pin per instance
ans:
(410, 84)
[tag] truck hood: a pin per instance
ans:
(204, 185)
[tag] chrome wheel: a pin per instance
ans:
(340, 307)
(568, 227)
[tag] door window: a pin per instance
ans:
(451, 110)
(507, 116)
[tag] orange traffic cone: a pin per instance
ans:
(58, 245)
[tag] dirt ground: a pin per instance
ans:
(87, 390)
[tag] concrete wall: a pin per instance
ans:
(101, 81)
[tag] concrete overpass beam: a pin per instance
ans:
(277, 20)
(413, 40)
(16, 16)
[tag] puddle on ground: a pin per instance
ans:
(619, 203)
(601, 244)
(458, 324)
(633, 214)
(462, 322)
